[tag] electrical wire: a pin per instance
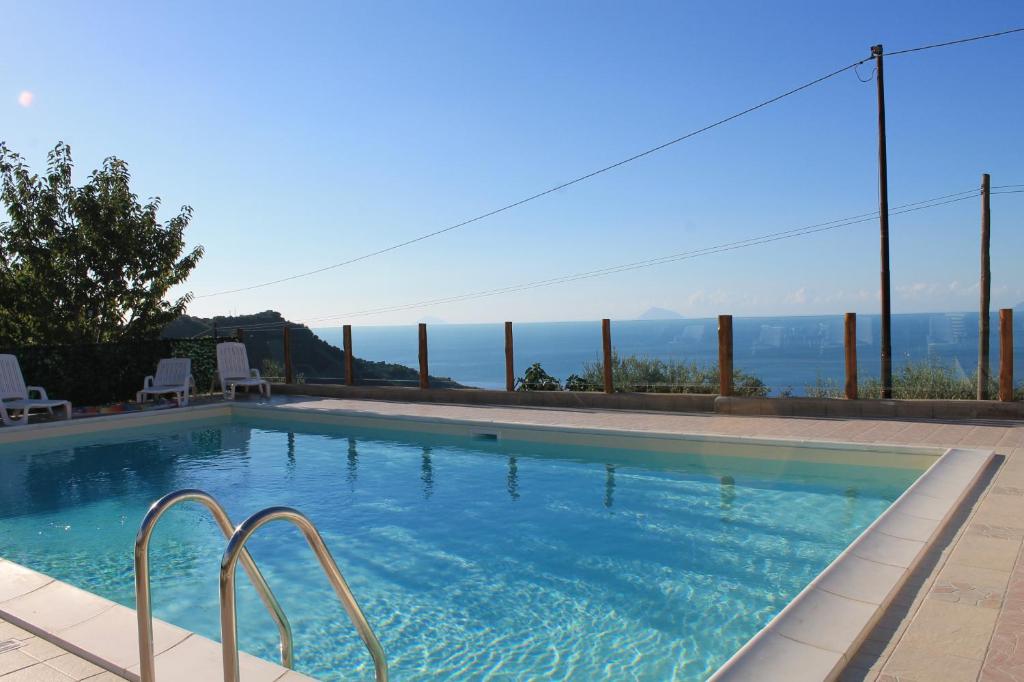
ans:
(954, 42)
(546, 192)
(600, 171)
(636, 265)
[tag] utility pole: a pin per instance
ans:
(986, 291)
(883, 221)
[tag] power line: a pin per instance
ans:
(954, 42)
(550, 190)
(605, 169)
(660, 260)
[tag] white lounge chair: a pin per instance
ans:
(173, 376)
(15, 395)
(233, 370)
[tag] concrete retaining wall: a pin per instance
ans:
(676, 402)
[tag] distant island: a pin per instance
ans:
(313, 359)
(660, 314)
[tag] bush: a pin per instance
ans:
(650, 375)
(923, 380)
(536, 379)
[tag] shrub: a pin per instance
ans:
(536, 379)
(922, 380)
(651, 375)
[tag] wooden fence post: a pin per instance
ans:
(850, 344)
(424, 375)
(1006, 354)
(986, 292)
(240, 334)
(346, 342)
(725, 355)
(606, 344)
(288, 377)
(510, 369)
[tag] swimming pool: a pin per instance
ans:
(470, 557)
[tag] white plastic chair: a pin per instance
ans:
(233, 370)
(16, 396)
(173, 376)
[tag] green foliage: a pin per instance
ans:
(536, 379)
(100, 373)
(651, 375)
(923, 380)
(87, 264)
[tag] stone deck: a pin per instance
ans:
(27, 658)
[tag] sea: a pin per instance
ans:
(788, 354)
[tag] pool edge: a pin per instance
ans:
(813, 637)
(104, 632)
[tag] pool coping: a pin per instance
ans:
(105, 633)
(815, 635)
(812, 638)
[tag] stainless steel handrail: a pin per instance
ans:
(143, 604)
(229, 562)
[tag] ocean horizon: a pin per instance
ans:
(788, 353)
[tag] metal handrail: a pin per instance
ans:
(143, 604)
(229, 563)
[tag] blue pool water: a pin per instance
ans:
(472, 559)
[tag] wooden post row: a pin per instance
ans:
(424, 375)
(510, 370)
(288, 377)
(850, 344)
(346, 341)
(606, 345)
(1006, 354)
(725, 355)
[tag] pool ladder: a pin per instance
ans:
(235, 552)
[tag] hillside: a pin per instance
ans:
(313, 359)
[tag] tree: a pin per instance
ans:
(85, 264)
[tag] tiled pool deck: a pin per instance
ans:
(958, 618)
(25, 657)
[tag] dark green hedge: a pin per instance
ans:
(96, 374)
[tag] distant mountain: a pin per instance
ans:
(660, 314)
(313, 358)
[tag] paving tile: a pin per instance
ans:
(910, 663)
(74, 667)
(955, 629)
(777, 658)
(15, 660)
(16, 580)
(113, 636)
(860, 579)
(41, 649)
(56, 606)
(40, 672)
(826, 621)
(975, 549)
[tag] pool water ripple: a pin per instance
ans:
(472, 560)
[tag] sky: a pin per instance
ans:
(305, 134)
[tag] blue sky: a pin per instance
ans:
(307, 133)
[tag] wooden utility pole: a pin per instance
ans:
(850, 343)
(606, 345)
(883, 221)
(986, 292)
(725, 354)
(510, 367)
(346, 342)
(424, 375)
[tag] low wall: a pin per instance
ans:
(675, 402)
